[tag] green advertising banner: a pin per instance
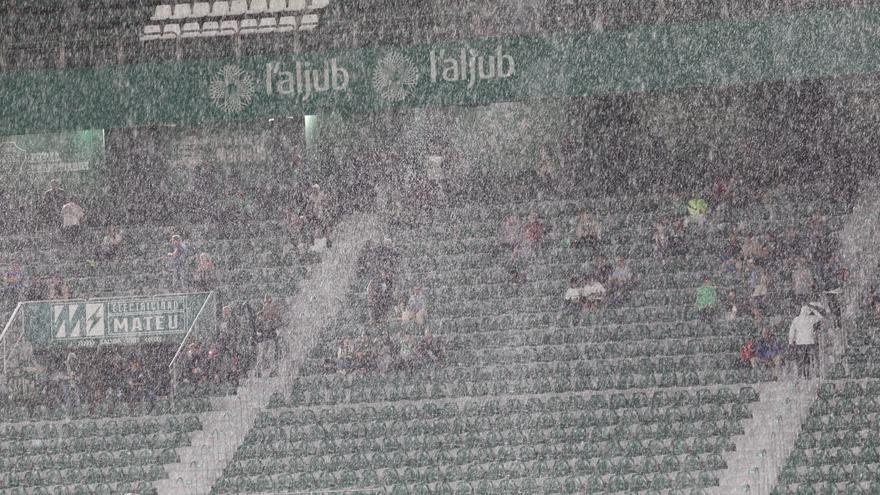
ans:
(111, 321)
(51, 153)
(815, 44)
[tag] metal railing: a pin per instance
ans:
(16, 356)
(4, 336)
(202, 330)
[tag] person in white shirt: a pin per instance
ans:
(435, 175)
(802, 338)
(582, 295)
(732, 308)
(587, 231)
(72, 215)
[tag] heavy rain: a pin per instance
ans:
(439, 247)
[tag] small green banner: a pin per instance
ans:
(51, 153)
(111, 321)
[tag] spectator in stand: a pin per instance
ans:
(707, 300)
(400, 312)
(230, 342)
(759, 283)
(731, 254)
(14, 282)
(517, 266)
(363, 354)
(758, 319)
(592, 293)
(602, 270)
(72, 392)
(802, 280)
(344, 355)
(621, 276)
(802, 338)
(697, 209)
(732, 307)
(678, 207)
(268, 324)
(385, 360)
(753, 250)
(874, 302)
(573, 305)
(747, 354)
(661, 238)
(416, 307)
(57, 288)
(533, 235)
(136, 381)
(37, 290)
(72, 215)
(790, 245)
(722, 190)
(295, 225)
(178, 258)
(205, 275)
(588, 231)
(216, 365)
(194, 371)
(546, 169)
(435, 172)
(406, 352)
(773, 249)
(380, 292)
(53, 200)
(110, 244)
(768, 352)
(510, 233)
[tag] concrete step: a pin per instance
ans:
(769, 437)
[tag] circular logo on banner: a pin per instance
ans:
(394, 76)
(232, 89)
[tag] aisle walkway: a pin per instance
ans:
(316, 305)
(769, 437)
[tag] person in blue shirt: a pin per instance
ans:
(768, 352)
(178, 258)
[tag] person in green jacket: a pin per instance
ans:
(696, 210)
(707, 299)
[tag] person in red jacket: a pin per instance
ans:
(747, 353)
(533, 234)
